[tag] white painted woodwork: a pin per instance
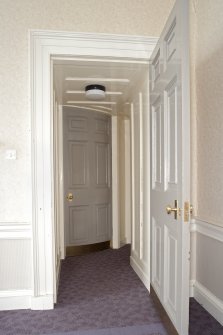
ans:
(87, 175)
(205, 228)
(127, 176)
(16, 290)
(60, 180)
(15, 299)
(15, 231)
(115, 186)
(124, 160)
(140, 162)
(170, 166)
(19, 263)
(58, 195)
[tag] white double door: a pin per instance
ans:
(170, 168)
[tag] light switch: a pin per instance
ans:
(10, 154)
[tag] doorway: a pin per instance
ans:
(129, 50)
(127, 103)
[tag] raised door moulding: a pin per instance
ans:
(44, 45)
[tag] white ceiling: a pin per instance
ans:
(120, 77)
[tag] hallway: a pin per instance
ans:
(100, 291)
(97, 291)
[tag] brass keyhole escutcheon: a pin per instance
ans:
(70, 197)
(175, 209)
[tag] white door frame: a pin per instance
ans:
(44, 45)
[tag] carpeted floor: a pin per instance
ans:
(97, 291)
(201, 322)
(100, 294)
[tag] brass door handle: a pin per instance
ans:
(70, 197)
(175, 209)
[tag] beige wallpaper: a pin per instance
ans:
(209, 113)
(139, 17)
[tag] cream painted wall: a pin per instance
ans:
(144, 17)
(209, 109)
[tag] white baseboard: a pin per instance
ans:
(42, 302)
(16, 299)
(209, 301)
(24, 299)
(142, 275)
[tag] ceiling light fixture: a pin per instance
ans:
(95, 92)
(83, 92)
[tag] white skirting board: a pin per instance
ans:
(18, 299)
(24, 299)
(139, 271)
(208, 300)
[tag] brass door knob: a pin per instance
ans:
(175, 209)
(70, 197)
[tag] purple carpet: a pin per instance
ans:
(100, 294)
(152, 329)
(201, 322)
(97, 291)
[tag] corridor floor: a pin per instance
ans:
(99, 292)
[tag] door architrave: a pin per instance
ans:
(43, 46)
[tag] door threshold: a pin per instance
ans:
(78, 250)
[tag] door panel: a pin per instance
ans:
(170, 96)
(170, 126)
(157, 144)
(102, 217)
(77, 123)
(78, 216)
(102, 164)
(102, 126)
(77, 167)
(87, 174)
